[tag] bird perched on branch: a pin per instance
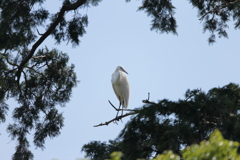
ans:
(121, 87)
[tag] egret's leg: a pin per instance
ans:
(118, 109)
(122, 110)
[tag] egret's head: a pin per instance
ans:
(120, 68)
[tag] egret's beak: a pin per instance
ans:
(124, 71)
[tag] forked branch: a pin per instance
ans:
(116, 119)
(132, 112)
(120, 109)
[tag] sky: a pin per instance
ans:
(165, 65)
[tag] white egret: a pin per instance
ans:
(121, 87)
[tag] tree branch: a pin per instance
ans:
(116, 119)
(132, 112)
(120, 109)
(46, 34)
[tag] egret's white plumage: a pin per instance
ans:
(121, 86)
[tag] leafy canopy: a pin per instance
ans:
(215, 148)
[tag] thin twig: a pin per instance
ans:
(120, 109)
(147, 100)
(39, 33)
(113, 105)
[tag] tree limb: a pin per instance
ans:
(119, 110)
(116, 119)
(46, 34)
(132, 112)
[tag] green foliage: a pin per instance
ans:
(216, 14)
(70, 30)
(170, 125)
(162, 12)
(99, 150)
(39, 82)
(17, 22)
(116, 155)
(216, 148)
(48, 82)
(167, 155)
(76, 28)
(93, 2)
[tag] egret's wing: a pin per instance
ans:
(116, 92)
(125, 89)
(115, 85)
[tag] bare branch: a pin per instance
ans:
(120, 109)
(132, 112)
(113, 105)
(116, 119)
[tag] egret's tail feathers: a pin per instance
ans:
(125, 105)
